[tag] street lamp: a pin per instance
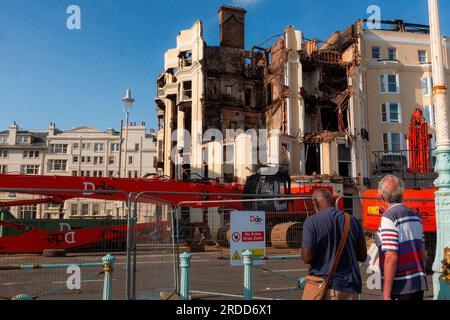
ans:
(127, 108)
(441, 287)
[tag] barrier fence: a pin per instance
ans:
(74, 282)
(148, 264)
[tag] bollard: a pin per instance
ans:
(248, 277)
(302, 283)
(108, 262)
(185, 263)
(22, 297)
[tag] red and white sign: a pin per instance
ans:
(248, 232)
(249, 236)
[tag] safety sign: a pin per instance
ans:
(247, 232)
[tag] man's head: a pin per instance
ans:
(391, 189)
(322, 199)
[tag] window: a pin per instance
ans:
(84, 209)
(75, 159)
(3, 168)
(98, 160)
(269, 94)
(136, 174)
(111, 160)
(3, 139)
(3, 153)
(429, 115)
(392, 142)
(248, 96)
(28, 212)
(98, 147)
(29, 169)
(57, 165)
(136, 147)
(97, 173)
(187, 90)
(389, 83)
(228, 90)
(390, 112)
(114, 147)
(110, 173)
(345, 161)
(30, 154)
(95, 209)
(86, 146)
(392, 54)
(422, 56)
(427, 86)
(130, 160)
(74, 173)
(58, 149)
(74, 209)
(22, 139)
(76, 146)
(185, 59)
(376, 53)
(87, 159)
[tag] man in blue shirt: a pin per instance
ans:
(322, 234)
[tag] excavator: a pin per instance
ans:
(284, 216)
(418, 177)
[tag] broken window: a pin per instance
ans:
(185, 59)
(312, 164)
(160, 122)
(345, 161)
(228, 90)
(187, 90)
(248, 96)
(269, 98)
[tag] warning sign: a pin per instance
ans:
(248, 230)
(236, 256)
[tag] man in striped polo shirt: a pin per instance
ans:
(400, 239)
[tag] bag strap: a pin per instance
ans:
(339, 251)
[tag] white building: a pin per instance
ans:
(82, 151)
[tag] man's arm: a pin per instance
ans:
(390, 269)
(308, 255)
(308, 242)
(362, 250)
(361, 246)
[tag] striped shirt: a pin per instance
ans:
(401, 230)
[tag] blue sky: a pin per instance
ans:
(77, 77)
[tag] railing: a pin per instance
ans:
(107, 269)
(248, 258)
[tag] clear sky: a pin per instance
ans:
(78, 77)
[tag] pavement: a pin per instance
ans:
(211, 275)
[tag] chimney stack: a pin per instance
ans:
(232, 27)
(12, 133)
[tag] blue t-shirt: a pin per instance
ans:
(322, 232)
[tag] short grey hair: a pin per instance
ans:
(324, 196)
(391, 189)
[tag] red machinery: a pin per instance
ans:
(419, 144)
(57, 189)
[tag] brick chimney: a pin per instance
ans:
(232, 27)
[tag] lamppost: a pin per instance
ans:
(441, 287)
(127, 108)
